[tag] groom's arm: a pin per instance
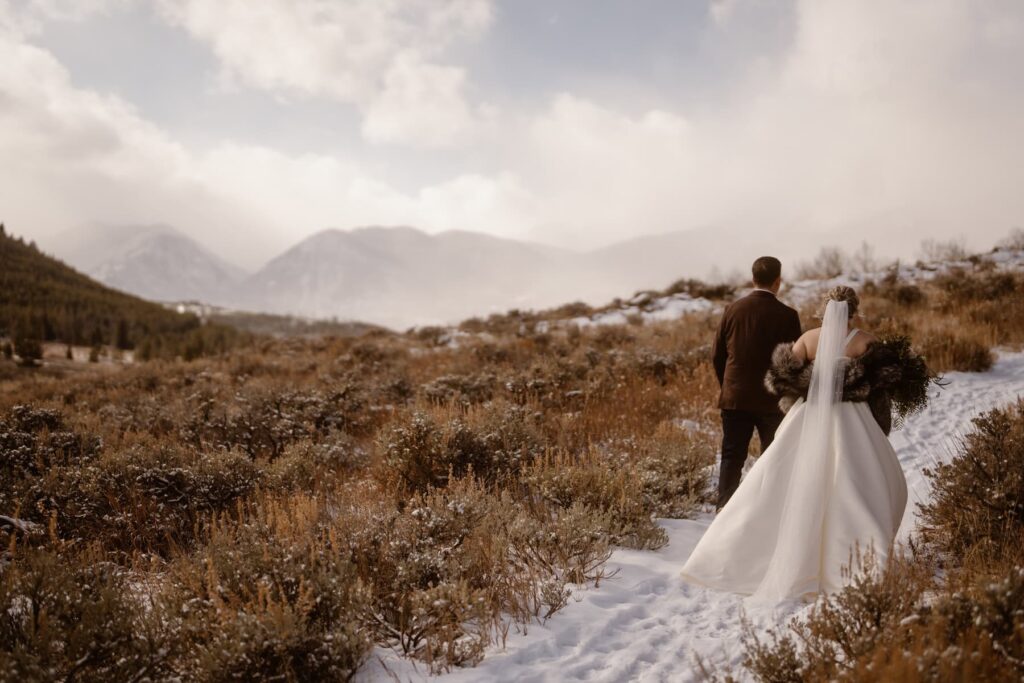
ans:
(795, 330)
(720, 353)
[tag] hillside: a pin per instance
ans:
(43, 299)
(402, 276)
(156, 262)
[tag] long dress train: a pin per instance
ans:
(815, 496)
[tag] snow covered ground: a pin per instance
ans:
(802, 291)
(646, 624)
(649, 308)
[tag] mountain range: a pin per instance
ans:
(398, 276)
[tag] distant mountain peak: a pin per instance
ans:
(155, 261)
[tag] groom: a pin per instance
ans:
(750, 330)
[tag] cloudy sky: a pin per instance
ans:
(250, 125)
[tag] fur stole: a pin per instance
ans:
(868, 378)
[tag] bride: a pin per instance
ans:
(828, 485)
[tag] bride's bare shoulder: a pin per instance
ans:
(810, 335)
(803, 348)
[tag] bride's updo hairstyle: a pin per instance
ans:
(842, 293)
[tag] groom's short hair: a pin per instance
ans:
(766, 271)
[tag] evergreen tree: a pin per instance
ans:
(27, 342)
(121, 339)
(74, 309)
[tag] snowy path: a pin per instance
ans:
(646, 624)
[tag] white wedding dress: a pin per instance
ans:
(828, 485)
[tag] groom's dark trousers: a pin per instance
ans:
(751, 328)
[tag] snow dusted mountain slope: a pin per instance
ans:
(155, 262)
(402, 276)
(646, 624)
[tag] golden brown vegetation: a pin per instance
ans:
(954, 319)
(279, 510)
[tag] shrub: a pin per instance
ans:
(961, 286)
(575, 309)
(946, 351)
(422, 453)
(309, 464)
(842, 629)
(36, 444)
(432, 335)
(75, 618)
(264, 421)
(905, 295)
(893, 289)
(977, 499)
(493, 443)
(674, 470)
(658, 366)
(883, 629)
(491, 354)
(466, 389)
(598, 484)
(28, 341)
(1014, 241)
(941, 251)
(272, 597)
(433, 571)
(700, 289)
(829, 263)
(136, 499)
(1004, 317)
(447, 572)
(612, 336)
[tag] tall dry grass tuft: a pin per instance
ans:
(956, 319)
(976, 510)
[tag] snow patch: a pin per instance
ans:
(647, 624)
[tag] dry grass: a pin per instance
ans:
(277, 511)
(954, 320)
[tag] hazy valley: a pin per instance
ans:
(400, 277)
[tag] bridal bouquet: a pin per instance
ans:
(906, 379)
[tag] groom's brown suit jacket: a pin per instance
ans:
(751, 328)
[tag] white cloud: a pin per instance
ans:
(316, 191)
(721, 11)
(901, 117)
(380, 55)
(895, 119)
(602, 173)
(421, 105)
(75, 157)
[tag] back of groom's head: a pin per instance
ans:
(766, 270)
